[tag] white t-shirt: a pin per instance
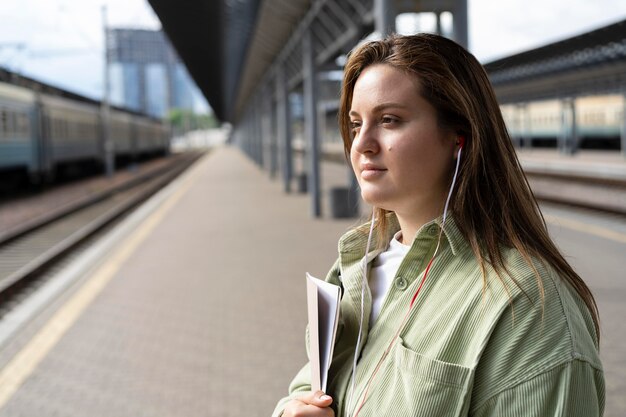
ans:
(383, 271)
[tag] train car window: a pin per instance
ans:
(3, 123)
(12, 123)
(90, 131)
(71, 131)
(24, 124)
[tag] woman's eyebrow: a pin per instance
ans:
(383, 106)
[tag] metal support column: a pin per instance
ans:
(438, 28)
(568, 142)
(252, 132)
(251, 135)
(355, 190)
(273, 132)
(459, 22)
(105, 112)
(245, 139)
(385, 17)
(267, 135)
(243, 135)
(258, 130)
(525, 137)
(283, 126)
(623, 138)
(310, 120)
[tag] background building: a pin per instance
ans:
(147, 75)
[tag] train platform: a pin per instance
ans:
(193, 306)
(594, 179)
(595, 164)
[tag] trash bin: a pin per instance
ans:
(342, 203)
(303, 184)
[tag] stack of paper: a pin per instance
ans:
(323, 301)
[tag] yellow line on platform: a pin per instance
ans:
(586, 228)
(26, 361)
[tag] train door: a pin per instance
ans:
(42, 131)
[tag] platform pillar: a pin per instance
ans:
(251, 134)
(251, 138)
(274, 147)
(385, 17)
(568, 140)
(623, 132)
(247, 134)
(267, 132)
(258, 130)
(460, 23)
(438, 28)
(311, 130)
(283, 126)
(525, 126)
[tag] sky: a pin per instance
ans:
(60, 42)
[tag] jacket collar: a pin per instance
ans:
(355, 240)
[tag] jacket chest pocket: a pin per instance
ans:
(414, 385)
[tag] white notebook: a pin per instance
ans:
(323, 301)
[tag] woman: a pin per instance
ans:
(468, 306)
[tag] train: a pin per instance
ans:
(599, 122)
(45, 131)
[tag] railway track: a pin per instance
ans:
(26, 252)
(602, 193)
(589, 189)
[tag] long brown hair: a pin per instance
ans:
(493, 204)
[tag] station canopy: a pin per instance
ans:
(227, 45)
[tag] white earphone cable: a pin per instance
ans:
(363, 287)
(364, 283)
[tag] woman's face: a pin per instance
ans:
(401, 157)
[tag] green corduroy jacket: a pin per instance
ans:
(469, 348)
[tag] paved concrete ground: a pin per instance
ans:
(206, 317)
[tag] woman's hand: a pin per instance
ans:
(314, 404)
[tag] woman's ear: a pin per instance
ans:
(460, 143)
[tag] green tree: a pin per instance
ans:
(183, 120)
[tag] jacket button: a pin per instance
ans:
(401, 283)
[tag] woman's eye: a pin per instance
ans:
(388, 120)
(354, 125)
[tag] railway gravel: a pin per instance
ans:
(14, 213)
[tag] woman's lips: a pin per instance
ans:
(370, 171)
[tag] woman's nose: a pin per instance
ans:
(366, 140)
